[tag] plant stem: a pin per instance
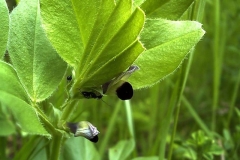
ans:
(69, 107)
(181, 86)
(174, 132)
(216, 61)
(56, 135)
(197, 12)
(156, 113)
(56, 146)
(109, 130)
(3, 146)
(28, 148)
(129, 118)
(130, 122)
(165, 123)
(196, 116)
(45, 120)
(233, 100)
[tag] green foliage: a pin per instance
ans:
(8, 74)
(167, 9)
(94, 42)
(167, 43)
(79, 148)
(199, 146)
(4, 26)
(7, 126)
(106, 36)
(36, 62)
(24, 114)
(146, 158)
(121, 150)
(13, 95)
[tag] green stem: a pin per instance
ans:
(3, 146)
(198, 10)
(129, 118)
(174, 132)
(183, 80)
(216, 61)
(181, 86)
(196, 116)
(165, 123)
(130, 121)
(233, 100)
(156, 112)
(69, 107)
(56, 136)
(28, 148)
(197, 14)
(109, 130)
(45, 120)
(56, 146)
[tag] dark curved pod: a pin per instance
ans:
(125, 91)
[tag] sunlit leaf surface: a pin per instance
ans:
(38, 66)
(167, 43)
(98, 38)
(4, 27)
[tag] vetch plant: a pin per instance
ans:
(110, 47)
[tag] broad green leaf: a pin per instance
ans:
(4, 27)
(53, 114)
(7, 127)
(167, 43)
(122, 150)
(167, 9)
(79, 148)
(23, 113)
(38, 66)
(34, 147)
(216, 149)
(98, 38)
(137, 3)
(10, 82)
(38, 151)
(146, 158)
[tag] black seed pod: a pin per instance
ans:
(125, 91)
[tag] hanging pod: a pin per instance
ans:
(84, 129)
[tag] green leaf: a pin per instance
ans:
(167, 9)
(216, 149)
(167, 43)
(122, 150)
(4, 27)
(15, 98)
(146, 158)
(137, 3)
(7, 127)
(33, 148)
(10, 82)
(102, 36)
(53, 114)
(79, 148)
(38, 66)
(24, 114)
